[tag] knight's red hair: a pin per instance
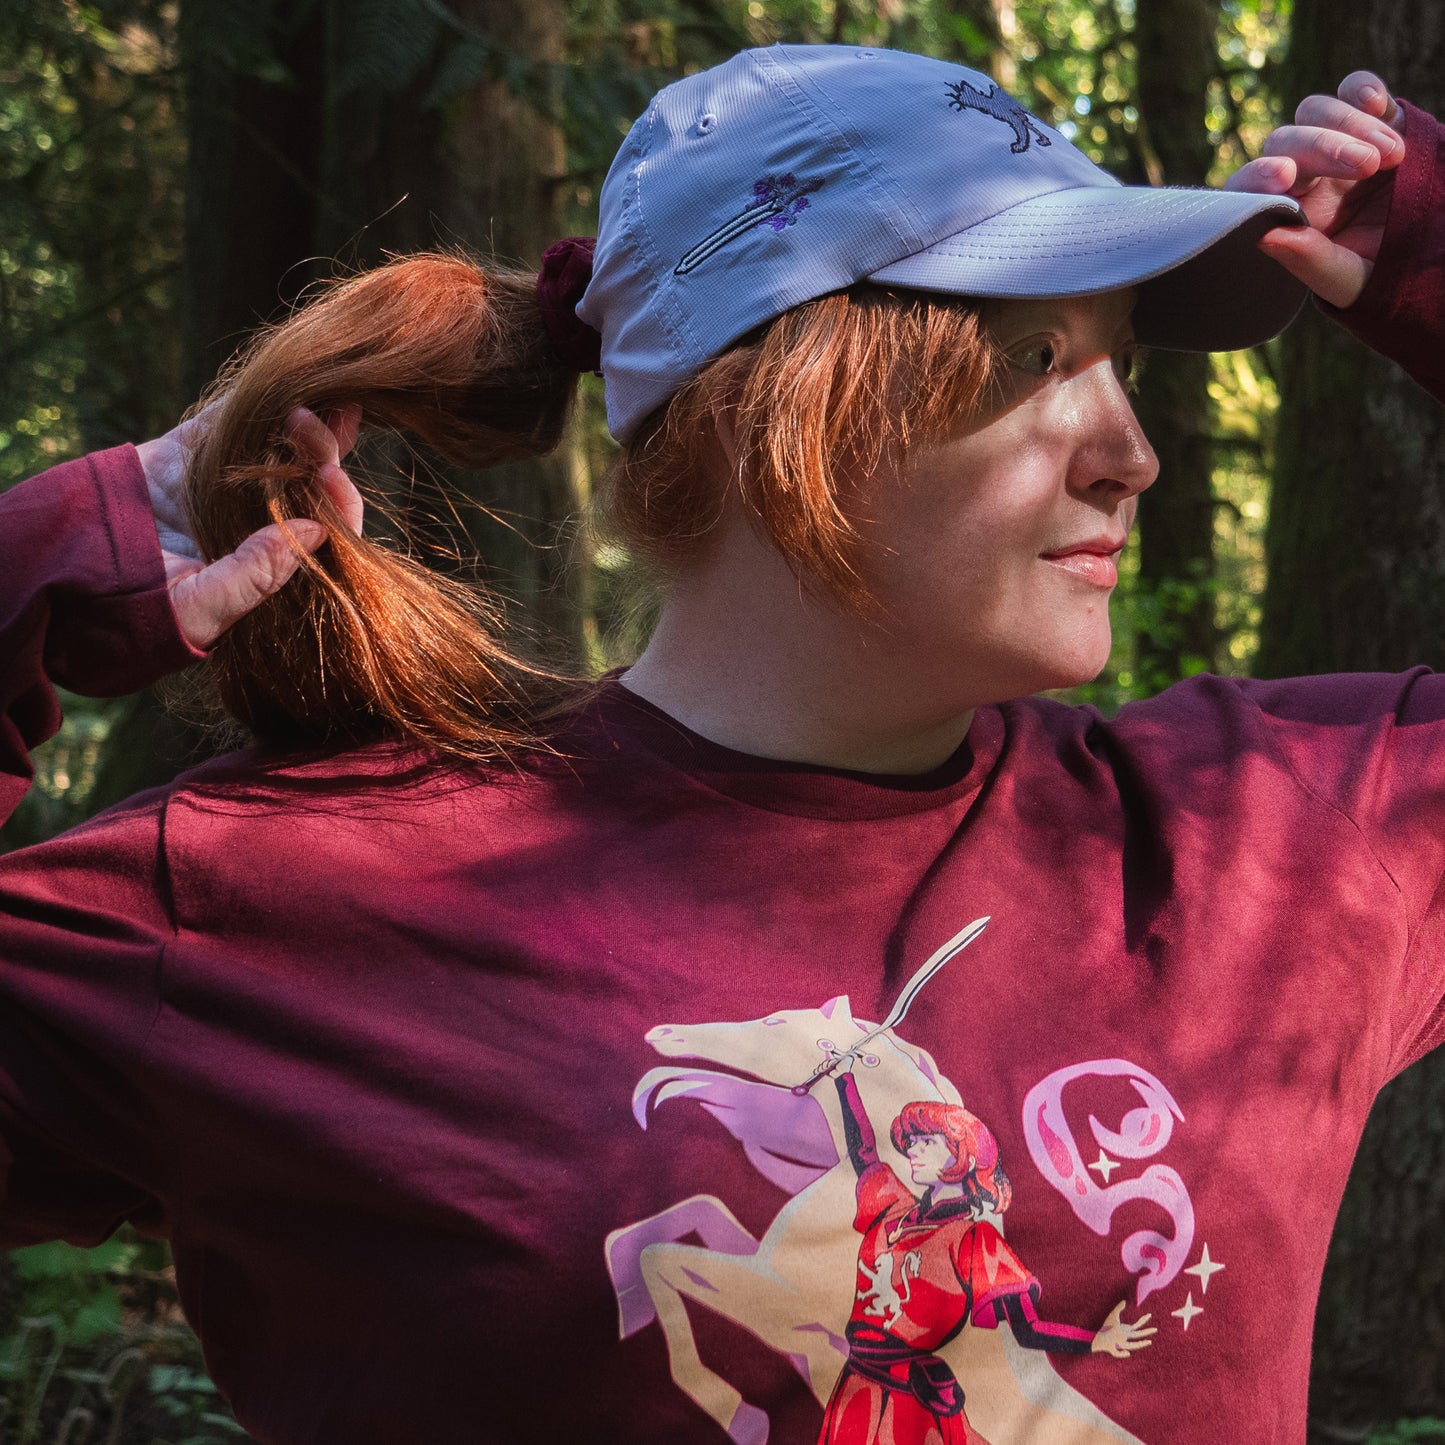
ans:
(975, 1150)
(367, 643)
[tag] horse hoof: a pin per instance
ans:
(749, 1426)
(635, 1310)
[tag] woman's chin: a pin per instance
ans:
(1084, 662)
(1070, 669)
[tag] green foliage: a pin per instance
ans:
(387, 43)
(65, 775)
(1243, 100)
(91, 1347)
(73, 1287)
(89, 226)
(1408, 1432)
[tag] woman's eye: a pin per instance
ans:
(1035, 357)
(1126, 368)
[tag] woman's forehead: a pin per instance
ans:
(1107, 310)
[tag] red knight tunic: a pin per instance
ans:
(924, 1271)
(926, 1268)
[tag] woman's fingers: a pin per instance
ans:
(324, 446)
(344, 423)
(1322, 151)
(207, 600)
(1331, 271)
(1335, 159)
(1267, 175)
(1326, 112)
(1364, 90)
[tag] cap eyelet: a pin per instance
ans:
(706, 124)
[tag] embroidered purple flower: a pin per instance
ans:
(783, 197)
(777, 203)
(787, 216)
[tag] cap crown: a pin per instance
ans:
(786, 173)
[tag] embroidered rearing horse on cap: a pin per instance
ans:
(1001, 106)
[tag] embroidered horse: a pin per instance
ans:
(793, 1288)
(1001, 106)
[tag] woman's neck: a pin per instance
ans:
(748, 658)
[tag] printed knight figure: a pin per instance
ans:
(926, 1268)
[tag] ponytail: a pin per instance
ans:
(366, 643)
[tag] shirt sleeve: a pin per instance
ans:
(84, 919)
(84, 924)
(83, 600)
(1371, 747)
(1401, 312)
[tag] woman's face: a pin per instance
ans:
(994, 552)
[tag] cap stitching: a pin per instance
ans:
(850, 148)
(671, 317)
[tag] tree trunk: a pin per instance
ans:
(1356, 555)
(253, 125)
(485, 171)
(293, 159)
(1177, 59)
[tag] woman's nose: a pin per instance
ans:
(1116, 461)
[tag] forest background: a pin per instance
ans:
(171, 174)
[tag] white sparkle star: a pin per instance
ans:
(1205, 1269)
(1187, 1310)
(1104, 1165)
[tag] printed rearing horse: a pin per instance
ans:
(793, 1288)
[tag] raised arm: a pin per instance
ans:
(102, 590)
(1369, 171)
(1116, 1337)
(83, 600)
(857, 1131)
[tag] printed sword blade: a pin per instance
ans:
(915, 985)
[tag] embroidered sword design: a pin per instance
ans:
(776, 202)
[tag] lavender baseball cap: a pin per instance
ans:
(796, 170)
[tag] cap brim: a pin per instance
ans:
(1203, 283)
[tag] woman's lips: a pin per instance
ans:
(1099, 568)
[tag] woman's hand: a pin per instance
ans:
(1337, 159)
(208, 599)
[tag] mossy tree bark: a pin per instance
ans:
(1356, 554)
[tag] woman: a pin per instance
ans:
(354, 1018)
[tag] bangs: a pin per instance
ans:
(820, 399)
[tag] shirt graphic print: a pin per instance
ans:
(886, 1279)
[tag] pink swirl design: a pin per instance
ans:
(1143, 1132)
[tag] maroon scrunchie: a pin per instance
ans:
(566, 270)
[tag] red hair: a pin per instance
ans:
(975, 1150)
(367, 643)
